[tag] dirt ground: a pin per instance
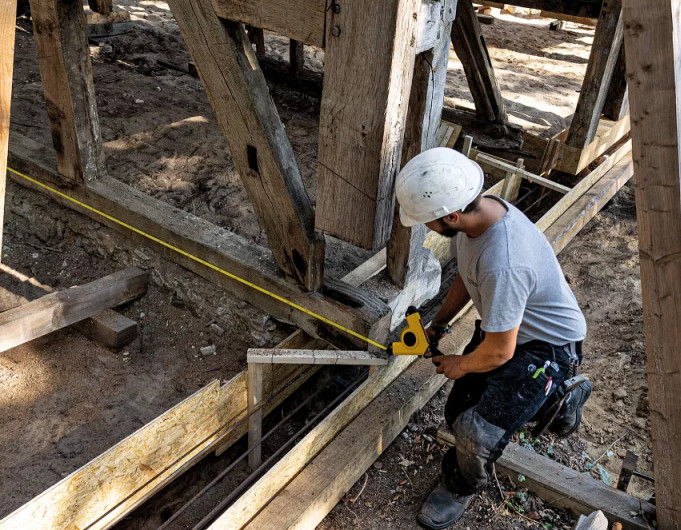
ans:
(64, 400)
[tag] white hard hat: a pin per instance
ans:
(436, 183)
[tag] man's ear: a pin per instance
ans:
(452, 217)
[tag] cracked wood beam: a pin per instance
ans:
(368, 68)
(471, 49)
(605, 52)
(257, 140)
(66, 73)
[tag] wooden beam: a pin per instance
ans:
(8, 18)
(66, 73)
(423, 121)
(471, 49)
(103, 7)
(565, 487)
(566, 227)
(296, 54)
(488, 160)
(617, 100)
(301, 20)
(569, 18)
(328, 357)
(112, 485)
(599, 72)
(256, 36)
(653, 46)
(314, 491)
(512, 182)
(63, 308)
(109, 328)
(362, 122)
(195, 236)
(258, 143)
(580, 8)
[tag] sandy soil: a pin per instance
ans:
(65, 400)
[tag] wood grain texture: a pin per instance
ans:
(260, 149)
(471, 49)
(63, 308)
(255, 413)
(301, 20)
(329, 357)
(617, 99)
(565, 487)
(66, 73)
(581, 8)
(653, 43)
(599, 72)
(8, 16)
(199, 237)
(368, 68)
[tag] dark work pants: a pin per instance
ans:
(484, 410)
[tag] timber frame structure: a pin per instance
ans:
(368, 129)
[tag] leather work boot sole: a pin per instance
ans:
(442, 508)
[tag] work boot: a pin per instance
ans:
(570, 414)
(442, 508)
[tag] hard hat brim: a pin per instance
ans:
(409, 221)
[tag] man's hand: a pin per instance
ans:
(434, 335)
(450, 365)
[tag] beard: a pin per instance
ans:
(449, 232)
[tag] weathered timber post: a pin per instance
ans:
(652, 35)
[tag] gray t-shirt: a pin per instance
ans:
(514, 279)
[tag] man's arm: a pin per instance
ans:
(456, 299)
(495, 350)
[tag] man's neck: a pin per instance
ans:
(489, 212)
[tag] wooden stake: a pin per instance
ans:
(512, 184)
(653, 46)
(66, 73)
(296, 53)
(255, 379)
(104, 7)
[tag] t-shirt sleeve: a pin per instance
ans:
(503, 296)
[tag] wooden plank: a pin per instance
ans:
(404, 249)
(573, 160)
(564, 229)
(103, 7)
(66, 73)
(653, 44)
(433, 18)
(602, 61)
(582, 186)
(279, 476)
(258, 143)
(63, 308)
(301, 20)
(565, 487)
(8, 16)
(329, 357)
(319, 489)
(193, 235)
(471, 49)
(569, 18)
(362, 122)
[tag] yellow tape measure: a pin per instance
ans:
(199, 260)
